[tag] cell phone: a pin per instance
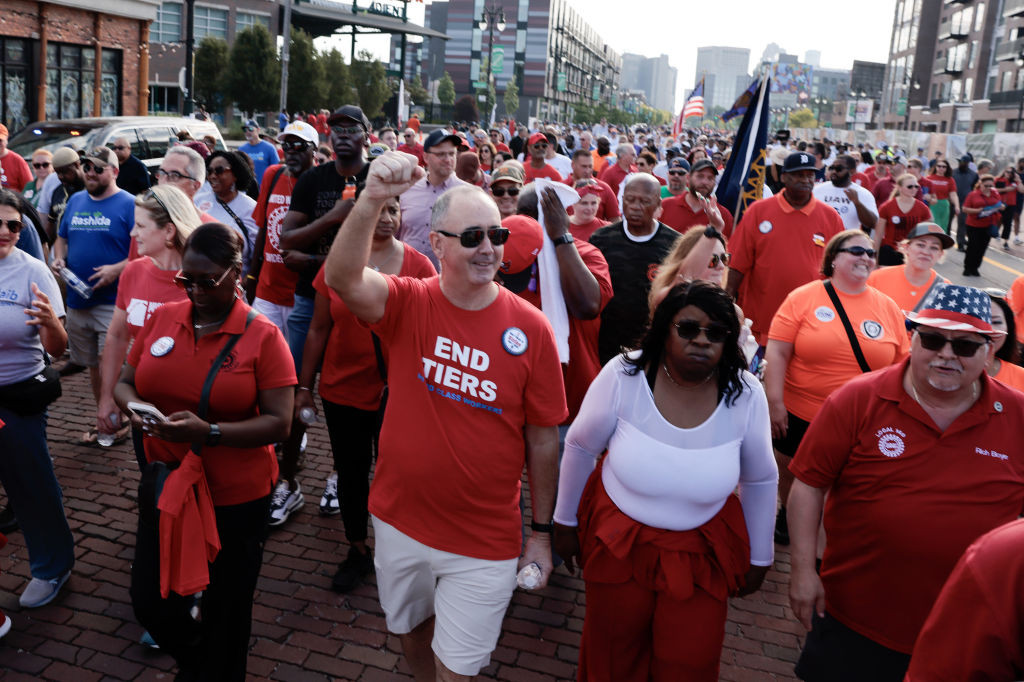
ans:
(146, 412)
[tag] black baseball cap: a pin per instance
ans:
(702, 164)
(798, 161)
(350, 111)
(441, 135)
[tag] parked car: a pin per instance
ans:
(150, 135)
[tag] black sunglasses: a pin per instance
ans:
(89, 167)
(677, 172)
(218, 170)
(717, 258)
(150, 193)
(859, 251)
(541, 145)
(206, 283)
(964, 348)
(472, 237)
(13, 225)
(295, 145)
(45, 164)
(689, 330)
(501, 191)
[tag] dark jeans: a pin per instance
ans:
(353, 434)
(835, 653)
(977, 244)
(1007, 220)
(961, 228)
(216, 648)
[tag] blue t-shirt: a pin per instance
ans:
(282, 121)
(29, 241)
(98, 233)
(263, 156)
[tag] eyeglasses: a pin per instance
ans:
(13, 225)
(89, 167)
(206, 283)
(717, 258)
(218, 170)
(858, 251)
(295, 145)
(151, 194)
(964, 348)
(44, 164)
(502, 191)
(173, 176)
(472, 237)
(350, 131)
(688, 330)
(677, 172)
(444, 155)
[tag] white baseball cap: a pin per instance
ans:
(302, 130)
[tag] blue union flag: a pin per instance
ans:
(743, 178)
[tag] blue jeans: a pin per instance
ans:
(27, 474)
(298, 327)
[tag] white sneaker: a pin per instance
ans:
(1017, 241)
(284, 502)
(329, 505)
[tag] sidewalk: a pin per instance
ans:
(301, 629)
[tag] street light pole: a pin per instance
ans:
(492, 16)
(1020, 107)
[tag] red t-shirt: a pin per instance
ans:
(614, 175)
(173, 381)
(583, 232)
(321, 124)
(350, 375)
(277, 282)
(678, 215)
(976, 627)
(897, 223)
(978, 200)
(906, 499)
(416, 150)
(14, 171)
(142, 288)
(1007, 191)
(778, 248)
(462, 386)
(863, 180)
(545, 172)
(939, 186)
(583, 358)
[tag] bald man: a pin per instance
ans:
(132, 176)
(411, 145)
(633, 247)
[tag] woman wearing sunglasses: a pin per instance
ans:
(662, 540)
(164, 218)
(908, 284)
(486, 152)
(983, 209)
(42, 167)
(250, 409)
(229, 176)
(942, 189)
(897, 217)
(810, 354)
(584, 221)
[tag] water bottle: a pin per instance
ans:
(80, 287)
(529, 577)
(307, 415)
(107, 439)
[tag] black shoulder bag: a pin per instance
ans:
(33, 395)
(154, 474)
(864, 366)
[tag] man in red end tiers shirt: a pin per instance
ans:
(918, 461)
(538, 167)
(697, 205)
(475, 390)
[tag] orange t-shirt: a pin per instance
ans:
(1015, 297)
(823, 359)
(778, 248)
(1011, 375)
(892, 281)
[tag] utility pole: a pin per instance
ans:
(286, 31)
(190, 40)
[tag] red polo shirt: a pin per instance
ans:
(173, 381)
(678, 215)
(778, 248)
(906, 499)
(414, 149)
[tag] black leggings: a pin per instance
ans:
(353, 433)
(218, 647)
(1007, 220)
(977, 244)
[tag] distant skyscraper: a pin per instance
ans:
(725, 71)
(653, 76)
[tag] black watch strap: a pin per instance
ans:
(213, 437)
(542, 527)
(566, 238)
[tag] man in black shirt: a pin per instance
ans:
(132, 176)
(634, 248)
(68, 167)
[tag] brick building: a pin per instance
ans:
(71, 58)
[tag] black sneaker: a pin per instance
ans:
(781, 528)
(352, 570)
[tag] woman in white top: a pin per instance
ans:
(661, 538)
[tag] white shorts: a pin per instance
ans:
(278, 314)
(467, 596)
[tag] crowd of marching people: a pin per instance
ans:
(687, 385)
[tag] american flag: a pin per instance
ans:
(695, 102)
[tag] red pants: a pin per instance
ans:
(656, 599)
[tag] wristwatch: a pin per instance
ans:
(542, 527)
(213, 437)
(566, 238)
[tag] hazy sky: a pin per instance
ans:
(842, 32)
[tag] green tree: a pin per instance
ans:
(446, 90)
(370, 80)
(416, 92)
(211, 63)
(802, 118)
(254, 76)
(306, 82)
(511, 97)
(338, 88)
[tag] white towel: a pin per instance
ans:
(552, 302)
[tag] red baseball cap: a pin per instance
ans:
(523, 245)
(536, 138)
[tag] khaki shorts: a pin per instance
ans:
(87, 332)
(468, 596)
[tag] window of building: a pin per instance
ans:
(1020, 79)
(1007, 83)
(164, 98)
(968, 89)
(167, 27)
(71, 81)
(210, 21)
(15, 72)
(979, 17)
(244, 20)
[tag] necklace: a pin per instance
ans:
(913, 391)
(376, 268)
(712, 373)
(197, 327)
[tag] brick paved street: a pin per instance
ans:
(301, 629)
